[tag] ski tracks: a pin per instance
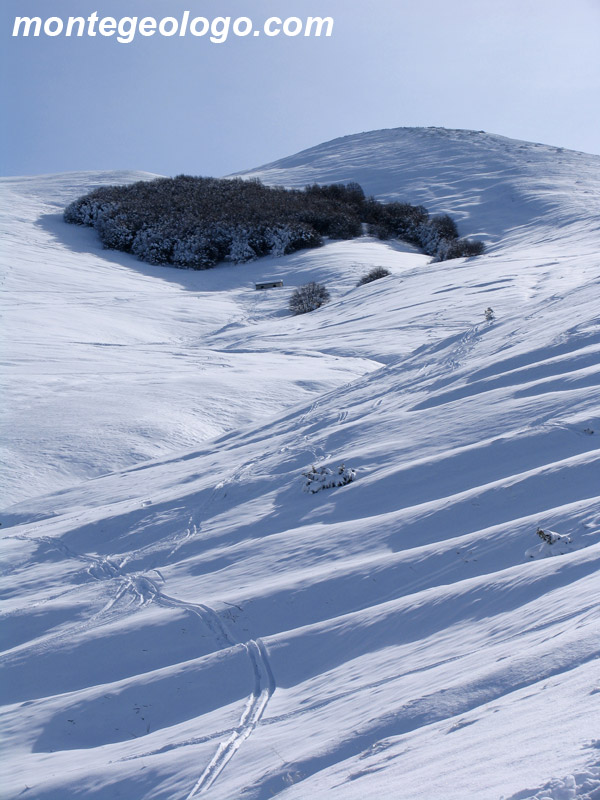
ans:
(264, 686)
(147, 590)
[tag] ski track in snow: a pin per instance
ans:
(147, 590)
(255, 708)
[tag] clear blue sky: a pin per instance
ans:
(529, 69)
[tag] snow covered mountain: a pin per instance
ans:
(198, 624)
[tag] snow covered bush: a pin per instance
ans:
(318, 478)
(295, 237)
(394, 220)
(446, 249)
(374, 275)
(489, 314)
(308, 298)
(444, 226)
(195, 252)
(279, 239)
(436, 236)
(553, 544)
(550, 537)
(153, 245)
(240, 249)
(113, 230)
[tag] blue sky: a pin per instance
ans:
(529, 69)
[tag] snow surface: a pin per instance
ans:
(198, 624)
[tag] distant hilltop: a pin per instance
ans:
(489, 183)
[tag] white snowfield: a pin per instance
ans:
(200, 624)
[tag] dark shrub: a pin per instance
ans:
(374, 275)
(458, 248)
(345, 226)
(471, 247)
(152, 244)
(308, 298)
(445, 226)
(115, 232)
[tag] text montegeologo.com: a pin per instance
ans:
(217, 30)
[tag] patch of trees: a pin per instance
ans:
(197, 222)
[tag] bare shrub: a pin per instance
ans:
(308, 298)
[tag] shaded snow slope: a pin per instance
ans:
(200, 625)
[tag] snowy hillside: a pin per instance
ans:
(110, 361)
(200, 624)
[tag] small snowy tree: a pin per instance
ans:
(240, 250)
(195, 251)
(552, 544)
(489, 314)
(550, 537)
(279, 240)
(308, 298)
(152, 245)
(318, 478)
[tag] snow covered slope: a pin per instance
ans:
(109, 362)
(199, 624)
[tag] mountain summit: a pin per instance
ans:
(489, 183)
